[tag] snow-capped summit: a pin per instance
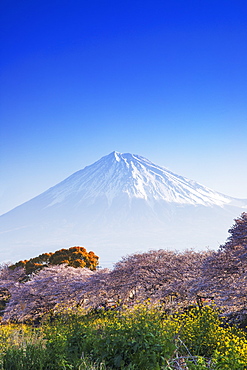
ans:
(135, 176)
(118, 205)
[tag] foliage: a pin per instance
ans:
(159, 275)
(74, 257)
(203, 333)
(4, 299)
(238, 232)
(156, 275)
(143, 337)
(52, 288)
(124, 339)
(224, 273)
(32, 287)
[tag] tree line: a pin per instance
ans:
(68, 278)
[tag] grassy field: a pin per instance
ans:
(143, 338)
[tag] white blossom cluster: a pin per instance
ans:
(164, 276)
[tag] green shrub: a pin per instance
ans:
(122, 339)
(139, 338)
(29, 357)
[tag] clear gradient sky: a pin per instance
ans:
(163, 79)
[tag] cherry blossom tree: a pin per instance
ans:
(224, 273)
(161, 275)
(238, 233)
(52, 288)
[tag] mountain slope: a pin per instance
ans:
(120, 204)
(135, 176)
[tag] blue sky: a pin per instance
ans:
(163, 79)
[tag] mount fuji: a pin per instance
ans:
(121, 204)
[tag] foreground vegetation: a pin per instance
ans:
(31, 288)
(143, 338)
(153, 311)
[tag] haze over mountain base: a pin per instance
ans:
(119, 205)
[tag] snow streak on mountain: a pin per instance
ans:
(116, 206)
(136, 177)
